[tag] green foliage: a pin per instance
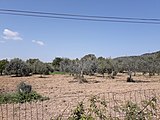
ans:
(40, 68)
(147, 63)
(88, 64)
(133, 111)
(57, 73)
(79, 113)
(70, 66)
(31, 61)
(130, 111)
(94, 109)
(17, 67)
(49, 67)
(56, 63)
(102, 66)
(65, 65)
(3, 64)
(24, 94)
(20, 97)
(158, 56)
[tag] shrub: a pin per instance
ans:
(130, 110)
(133, 111)
(24, 88)
(79, 113)
(24, 94)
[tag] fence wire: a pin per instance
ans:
(63, 105)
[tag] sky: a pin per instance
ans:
(46, 38)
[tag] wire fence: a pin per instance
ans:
(63, 105)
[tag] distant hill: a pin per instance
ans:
(153, 55)
(148, 62)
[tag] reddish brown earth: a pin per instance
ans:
(64, 90)
(66, 85)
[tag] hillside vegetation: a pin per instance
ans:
(88, 65)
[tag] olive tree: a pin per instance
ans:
(65, 65)
(40, 68)
(148, 65)
(56, 63)
(17, 67)
(3, 64)
(157, 63)
(88, 64)
(75, 68)
(31, 63)
(101, 65)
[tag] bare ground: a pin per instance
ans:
(64, 90)
(53, 85)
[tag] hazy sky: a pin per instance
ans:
(43, 38)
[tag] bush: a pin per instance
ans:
(79, 113)
(130, 110)
(133, 111)
(20, 97)
(24, 94)
(24, 88)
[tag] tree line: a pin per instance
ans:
(87, 65)
(18, 67)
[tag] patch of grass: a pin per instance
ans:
(57, 73)
(21, 97)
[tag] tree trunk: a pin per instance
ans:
(103, 75)
(134, 73)
(151, 74)
(144, 73)
(130, 74)
(81, 75)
